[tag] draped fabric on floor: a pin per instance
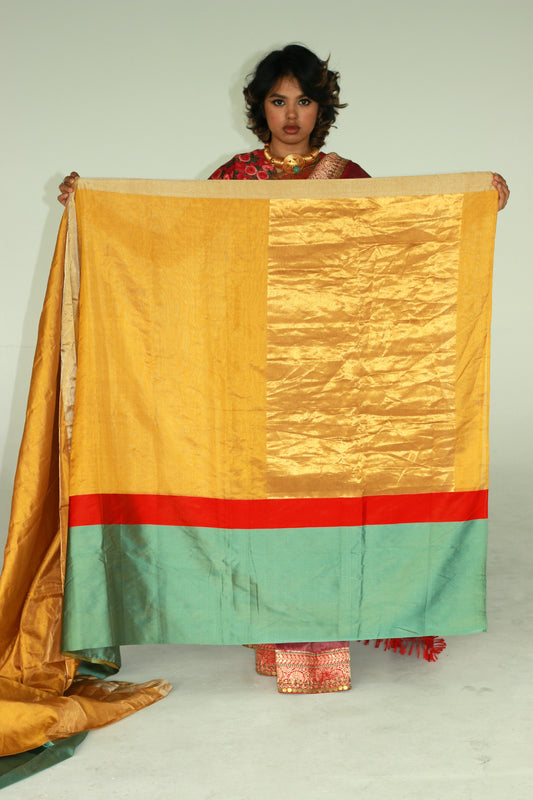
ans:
(258, 413)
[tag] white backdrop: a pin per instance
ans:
(152, 88)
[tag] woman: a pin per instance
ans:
(292, 100)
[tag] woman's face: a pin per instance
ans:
(291, 118)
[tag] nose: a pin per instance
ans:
(292, 111)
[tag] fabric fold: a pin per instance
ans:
(41, 697)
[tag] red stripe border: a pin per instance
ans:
(314, 512)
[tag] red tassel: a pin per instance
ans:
(429, 647)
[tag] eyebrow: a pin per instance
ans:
(284, 96)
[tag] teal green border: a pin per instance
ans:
(144, 584)
(24, 765)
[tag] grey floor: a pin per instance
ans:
(461, 729)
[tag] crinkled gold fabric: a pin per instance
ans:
(363, 350)
(374, 380)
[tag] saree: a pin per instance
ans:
(258, 413)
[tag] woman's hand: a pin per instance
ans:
(67, 187)
(500, 184)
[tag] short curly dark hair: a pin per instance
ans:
(317, 81)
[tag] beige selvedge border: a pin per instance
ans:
(414, 185)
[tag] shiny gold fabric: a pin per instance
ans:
(40, 697)
(390, 343)
(370, 340)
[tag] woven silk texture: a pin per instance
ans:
(258, 413)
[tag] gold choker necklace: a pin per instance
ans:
(294, 162)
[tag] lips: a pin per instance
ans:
(290, 129)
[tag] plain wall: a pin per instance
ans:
(152, 89)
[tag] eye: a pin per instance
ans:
(305, 101)
(277, 101)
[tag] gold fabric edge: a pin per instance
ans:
(69, 311)
(474, 304)
(414, 185)
(67, 378)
